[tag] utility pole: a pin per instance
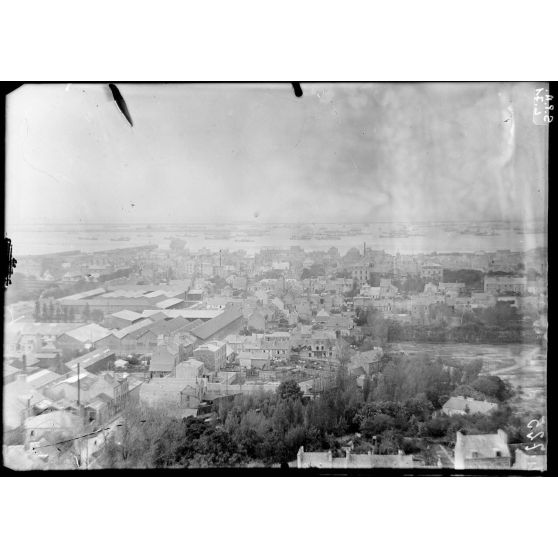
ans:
(78, 386)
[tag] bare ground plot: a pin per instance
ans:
(510, 362)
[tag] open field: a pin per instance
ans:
(509, 362)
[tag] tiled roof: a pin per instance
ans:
(54, 420)
(42, 378)
(210, 328)
(195, 313)
(473, 405)
(162, 360)
(366, 357)
(121, 333)
(254, 355)
(90, 358)
(127, 315)
(211, 346)
(89, 333)
(83, 295)
(172, 385)
(46, 355)
(73, 379)
(154, 294)
(43, 328)
(169, 302)
(168, 326)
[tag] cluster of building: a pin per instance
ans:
(180, 329)
(471, 452)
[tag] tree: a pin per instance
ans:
(135, 443)
(289, 389)
(367, 344)
(315, 270)
(58, 313)
(376, 324)
(394, 331)
(436, 427)
(360, 317)
(342, 353)
(97, 316)
(37, 311)
(86, 313)
(471, 277)
(468, 391)
(354, 290)
(493, 386)
(472, 370)
(376, 424)
(71, 314)
(390, 442)
(501, 314)
(440, 313)
(366, 388)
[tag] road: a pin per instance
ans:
(519, 362)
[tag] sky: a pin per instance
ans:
(257, 153)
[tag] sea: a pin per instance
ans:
(402, 238)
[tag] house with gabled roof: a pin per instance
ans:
(42, 379)
(19, 400)
(219, 327)
(322, 316)
(121, 319)
(168, 327)
(171, 303)
(10, 372)
(52, 427)
(176, 395)
(163, 361)
(459, 405)
(369, 361)
(94, 361)
(128, 336)
(213, 354)
(82, 338)
(191, 369)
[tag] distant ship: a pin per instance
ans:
(216, 236)
(328, 236)
(395, 234)
(485, 233)
(529, 230)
